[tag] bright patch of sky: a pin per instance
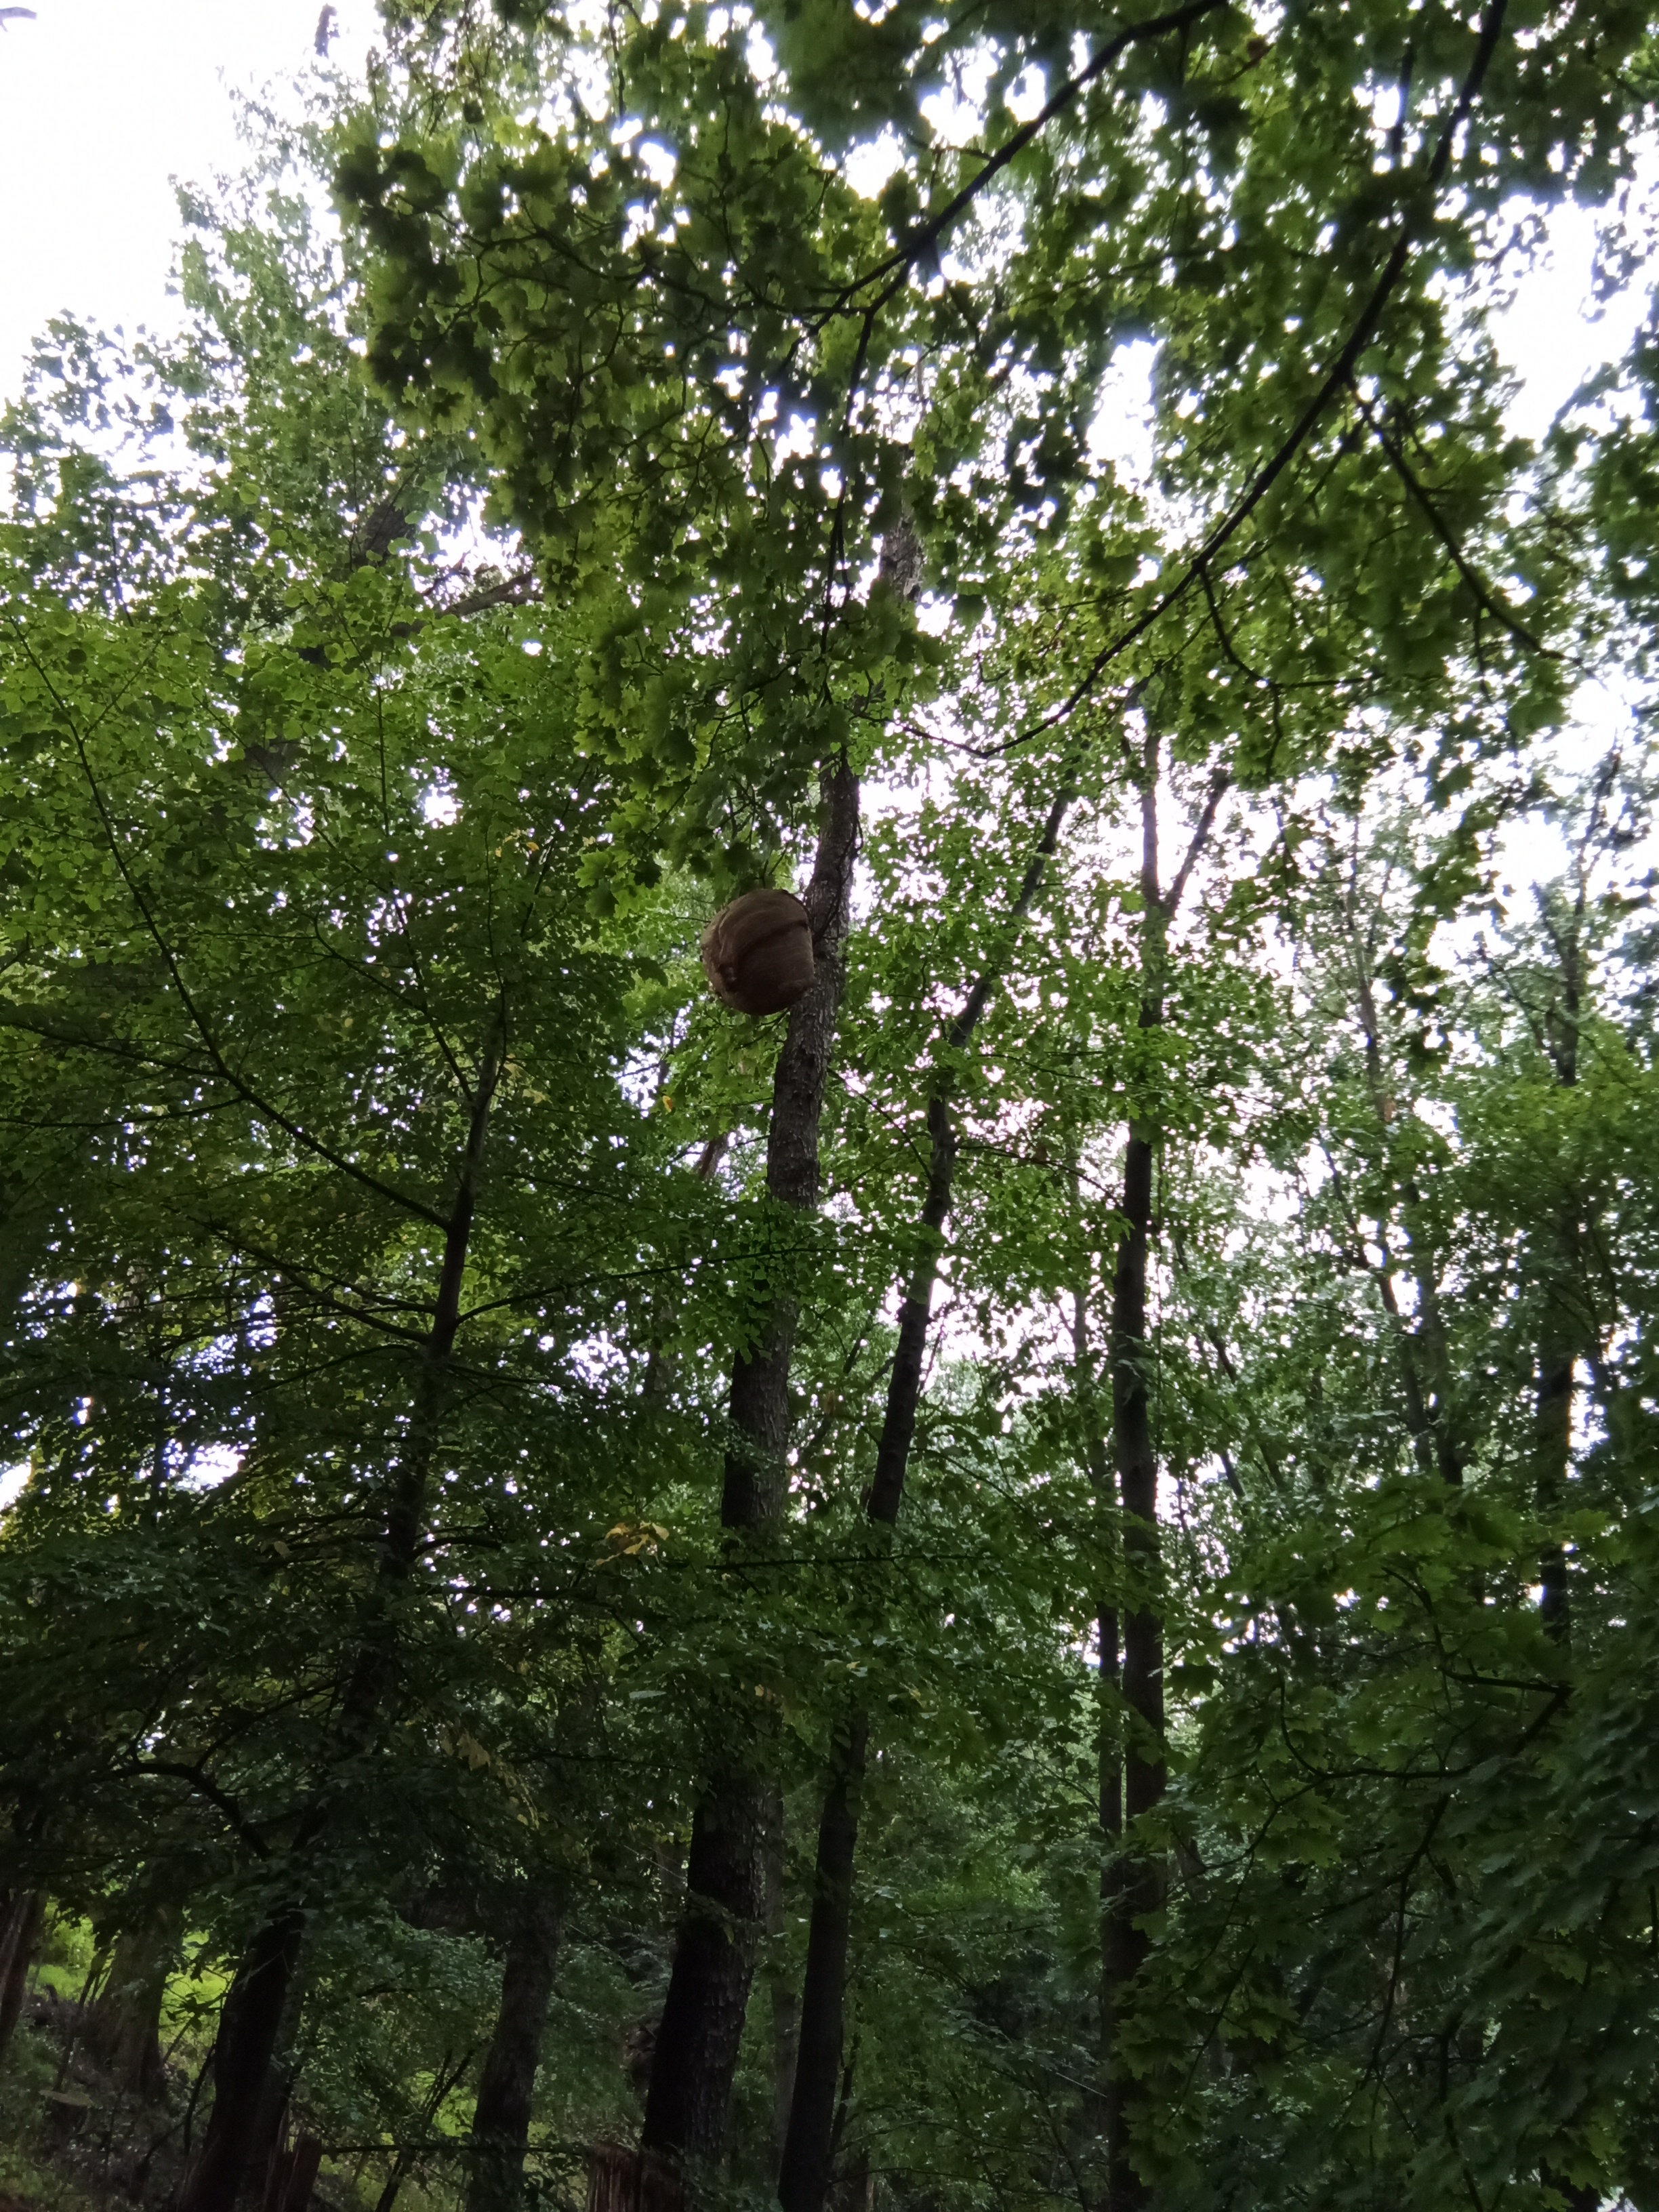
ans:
(206, 1471)
(102, 104)
(1556, 334)
(1551, 337)
(868, 166)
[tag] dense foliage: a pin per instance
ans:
(1036, 1581)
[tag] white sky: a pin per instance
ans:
(102, 102)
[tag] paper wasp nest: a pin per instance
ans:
(757, 952)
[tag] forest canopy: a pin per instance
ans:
(1032, 1580)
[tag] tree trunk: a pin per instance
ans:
(1425, 1370)
(1115, 1902)
(1567, 1327)
(124, 2029)
(756, 1469)
(268, 2155)
(1134, 1888)
(786, 2011)
(785, 2054)
(248, 2024)
(804, 2178)
(1134, 1878)
(1104, 2110)
(809, 2143)
(291, 2175)
(501, 2118)
(620, 2180)
(1561, 1334)
(21, 1933)
(696, 2057)
(804, 2182)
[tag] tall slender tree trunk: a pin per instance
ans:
(1566, 1327)
(1114, 1899)
(249, 2022)
(19, 1934)
(1133, 1888)
(501, 2118)
(809, 2146)
(1103, 2112)
(123, 2030)
(252, 2012)
(809, 2143)
(734, 1833)
(291, 2174)
(1136, 1885)
(1561, 1333)
(786, 2007)
(1425, 1368)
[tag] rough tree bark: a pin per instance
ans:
(19, 1934)
(291, 2175)
(786, 2007)
(734, 1826)
(1561, 1331)
(124, 2027)
(254, 2007)
(1131, 1887)
(803, 2181)
(249, 2022)
(1134, 1886)
(501, 2118)
(736, 1834)
(1108, 1730)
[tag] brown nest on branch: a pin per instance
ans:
(757, 952)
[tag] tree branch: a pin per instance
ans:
(898, 265)
(1339, 374)
(1220, 783)
(1486, 598)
